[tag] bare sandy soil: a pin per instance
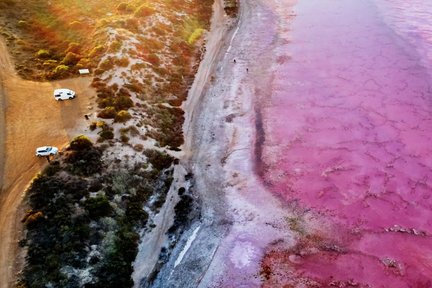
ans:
(32, 118)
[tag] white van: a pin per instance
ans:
(63, 94)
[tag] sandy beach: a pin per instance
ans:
(30, 118)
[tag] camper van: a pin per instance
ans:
(63, 94)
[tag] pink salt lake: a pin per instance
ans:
(348, 134)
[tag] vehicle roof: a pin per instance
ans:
(62, 90)
(43, 148)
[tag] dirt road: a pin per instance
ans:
(32, 118)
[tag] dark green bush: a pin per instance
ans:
(105, 134)
(80, 142)
(159, 160)
(85, 162)
(98, 206)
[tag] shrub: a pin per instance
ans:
(81, 142)
(153, 59)
(124, 8)
(123, 103)
(122, 62)
(43, 54)
(93, 126)
(132, 25)
(138, 147)
(105, 134)
(195, 35)
(115, 46)
(60, 70)
(159, 160)
(105, 102)
(84, 63)
(144, 11)
(124, 138)
(107, 64)
(73, 47)
(107, 113)
(98, 206)
(71, 58)
(122, 116)
(50, 63)
(52, 168)
(84, 162)
(133, 131)
(96, 51)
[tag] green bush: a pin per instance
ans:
(84, 162)
(60, 70)
(122, 116)
(107, 113)
(98, 206)
(81, 142)
(96, 51)
(43, 54)
(195, 35)
(105, 134)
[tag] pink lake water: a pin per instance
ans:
(348, 136)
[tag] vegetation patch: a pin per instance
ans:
(88, 224)
(88, 205)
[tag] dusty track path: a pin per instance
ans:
(32, 118)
